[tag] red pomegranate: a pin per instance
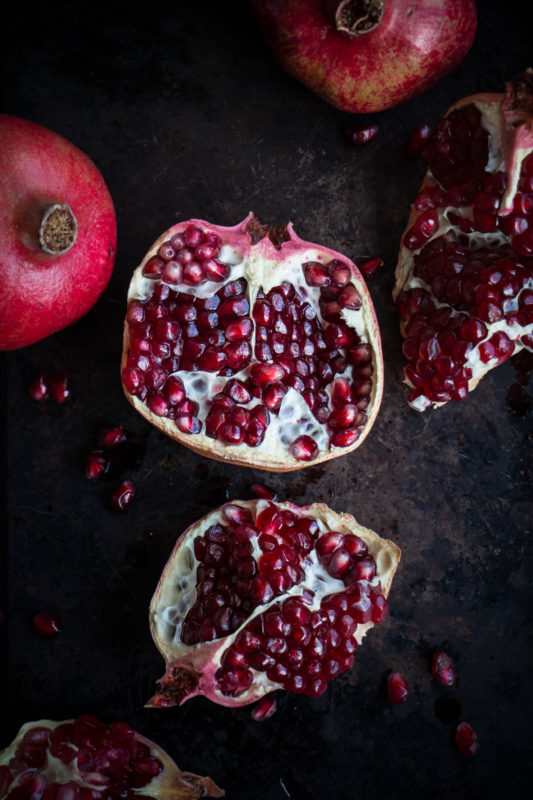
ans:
(252, 346)
(367, 55)
(259, 596)
(464, 280)
(58, 233)
(84, 759)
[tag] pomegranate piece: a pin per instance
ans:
(397, 689)
(114, 760)
(466, 739)
(351, 53)
(241, 368)
(47, 625)
(443, 669)
(465, 270)
(122, 497)
(283, 597)
(57, 212)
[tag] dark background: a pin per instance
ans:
(186, 114)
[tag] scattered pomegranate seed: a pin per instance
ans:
(110, 437)
(96, 464)
(47, 625)
(122, 496)
(263, 491)
(38, 388)
(466, 739)
(264, 709)
(359, 135)
(417, 140)
(443, 669)
(397, 689)
(371, 267)
(59, 388)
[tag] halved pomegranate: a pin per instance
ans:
(252, 346)
(84, 759)
(464, 281)
(258, 596)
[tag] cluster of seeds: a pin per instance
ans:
(468, 301)
(278, 344)
(107, 757)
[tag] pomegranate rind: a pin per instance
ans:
(170, 784)
(191, 669)
(511, 142)
(263, 457)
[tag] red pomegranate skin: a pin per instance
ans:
(43, 292)
(412, 47)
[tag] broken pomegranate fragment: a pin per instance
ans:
(84, 759)
(240, 360)
(464, 280)
(262, 595)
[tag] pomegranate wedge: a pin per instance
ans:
(84, 759)
(252, 346)
(258, 596)
(464, 281)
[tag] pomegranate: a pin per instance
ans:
(367, 55)
(464, 280)
(252, 346)
(261, 595)
(58, 233)
(84, 759)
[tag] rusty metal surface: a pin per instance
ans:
(187, 115)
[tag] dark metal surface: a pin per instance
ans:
(187, 115)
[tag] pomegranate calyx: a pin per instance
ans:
(276, 233)
(178, 684)
(59, 229)
(358, 17)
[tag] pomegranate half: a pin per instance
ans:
(464, 280)
(251, 346)
(367, 55)
(261, 595)
(84, 759)
(58, 233)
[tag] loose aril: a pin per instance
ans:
(443, 669)
(240, 360)
(465, 270)
(397, 689)
(47, 625)
(85, 759)
(466, 739)
(262, 595)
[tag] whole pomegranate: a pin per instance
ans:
(84, 759)
(58, 233)
(464, 281)
(252, 346)
(259, 596)
(367, 55)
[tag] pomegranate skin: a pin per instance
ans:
(411, 47)
(44, 292)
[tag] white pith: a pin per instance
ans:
(176, 592)
(264, 268)
(493, 120)
(170, 784)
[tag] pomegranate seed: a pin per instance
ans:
(359, 135)
(59, 388)
(264, 709)
(466, 739)
(417, 140)
(371, 267)
(47, 625)
(349, 297)
(263, 492)
(443, 669)
(111, 437)
(122, 496)
(38, 388)
(304, 448)
(96, 464)
(315, 274)
(397, 689)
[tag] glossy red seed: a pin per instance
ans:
(397, 689)
(96, 464)
(304, 448)
(264, 709)
(59, 388)
(443, 669)
(466, 739)
(122, 496)
(38, 388)
(47, 625)
(370, 268)
(361, 134)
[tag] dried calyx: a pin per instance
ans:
(259, 596)
(464, 288)
(250, 345)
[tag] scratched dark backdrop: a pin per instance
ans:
(186, 114)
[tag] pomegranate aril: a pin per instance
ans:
(359, 135)
(264, 709)
(443, 669)
(59, 388)
(122, 497)
(47, 625)
(370, 268)
(316, 274)
(397, 689)
(96, 464)
(38, 388)
(466, 739)
(303, 448)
